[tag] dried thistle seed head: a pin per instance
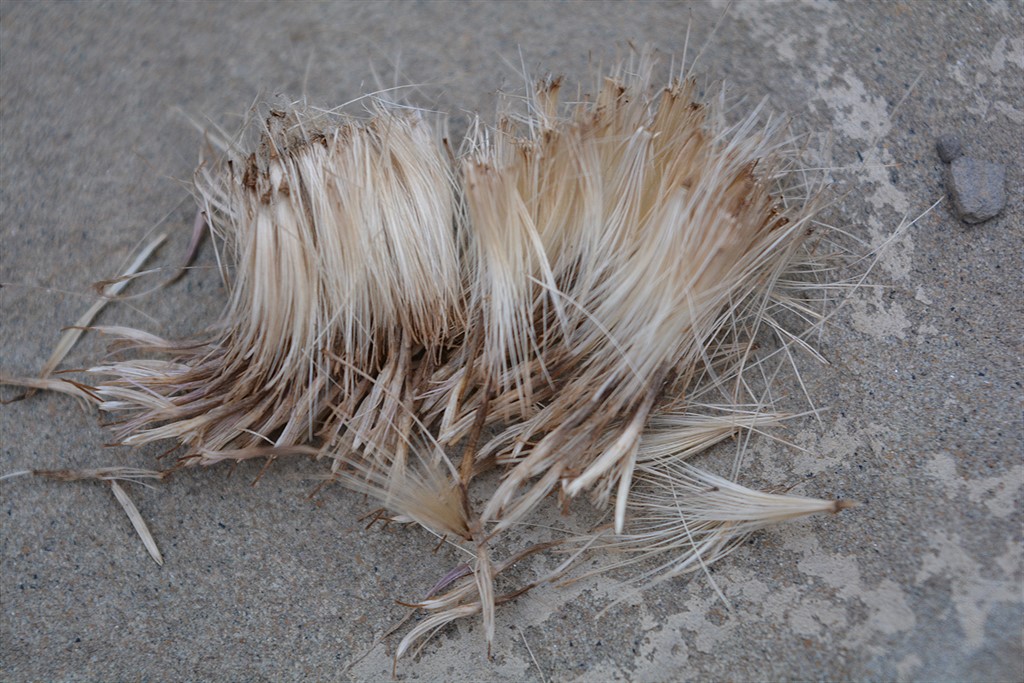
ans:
(343, 238)
(617, 242)
(340, 234)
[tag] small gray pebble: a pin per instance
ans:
(949, 148)
(978, 188)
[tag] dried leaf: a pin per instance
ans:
(136, 518)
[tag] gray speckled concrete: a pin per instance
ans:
(922, 582)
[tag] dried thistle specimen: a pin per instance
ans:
(572, 304)
(345, 263)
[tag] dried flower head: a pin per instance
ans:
(573, 304)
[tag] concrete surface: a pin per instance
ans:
(922, 582)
